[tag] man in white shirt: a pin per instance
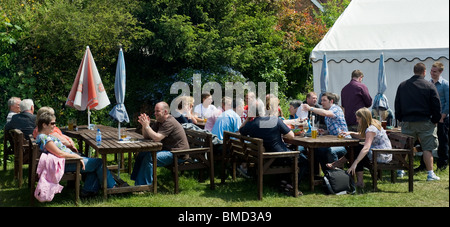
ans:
(205, 109)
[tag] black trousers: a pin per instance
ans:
(442, 132)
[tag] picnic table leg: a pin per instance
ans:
(311, 167)
(80, 146)
(105, 185)
(155, 181)
(352, 159)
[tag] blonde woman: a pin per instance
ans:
(184, 111)
(375, 138)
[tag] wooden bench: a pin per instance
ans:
(200, 156)
(68, 176)
(21, 153)
(8, 148)
(251, 150)
(402, 158)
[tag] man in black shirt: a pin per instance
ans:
(25, 121)
(418, 107)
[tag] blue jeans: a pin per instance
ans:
(144, 175)
(94, 174)
(326, 155)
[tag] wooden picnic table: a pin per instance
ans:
(201, 124)
(111, 145)
(83, 129)
(321, 141)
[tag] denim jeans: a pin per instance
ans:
(328, 155)
(94, 174)
(144, 174)
(324, 155)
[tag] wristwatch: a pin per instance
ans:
(312, 108)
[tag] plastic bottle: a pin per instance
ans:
(98, 137)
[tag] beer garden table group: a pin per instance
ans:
(321, 141)
(111, 145)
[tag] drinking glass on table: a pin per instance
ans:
(305, 127)
(341, 134)
(314, 132)
(70, 124)
(123, 133)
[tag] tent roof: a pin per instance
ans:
(401, 29)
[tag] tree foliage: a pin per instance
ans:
(42, 43)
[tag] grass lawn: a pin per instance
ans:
(242, 193)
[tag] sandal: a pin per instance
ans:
(337, 164)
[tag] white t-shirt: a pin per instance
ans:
(203, 112)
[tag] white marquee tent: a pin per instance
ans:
(406, 31)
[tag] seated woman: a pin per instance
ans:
(183, 113)
(92, 167)
(375, 138)
(67, 141)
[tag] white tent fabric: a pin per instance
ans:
(406, 31)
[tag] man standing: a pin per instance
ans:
(442, 87)
(355, 95)
(418, 107)
(166, 130)
(25, 121)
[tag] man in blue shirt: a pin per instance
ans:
(442, 87)
(335, 122)
(228, 120)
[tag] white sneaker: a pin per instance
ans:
(400, 173)
(432, 177)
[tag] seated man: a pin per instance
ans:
(293, 106)
(25, 121)
(166, 130)
(335, 121)
(311, 100)
(14, 107)
(229, 120)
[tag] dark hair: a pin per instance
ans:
(46, 118)
(357, 73)
(295, 103)
(205, 96)
(419, 68)
(331, 96)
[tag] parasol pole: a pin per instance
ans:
(119, 155)
(89, 117)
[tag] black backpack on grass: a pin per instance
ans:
(338, 182)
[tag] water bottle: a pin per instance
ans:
(98, 137)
